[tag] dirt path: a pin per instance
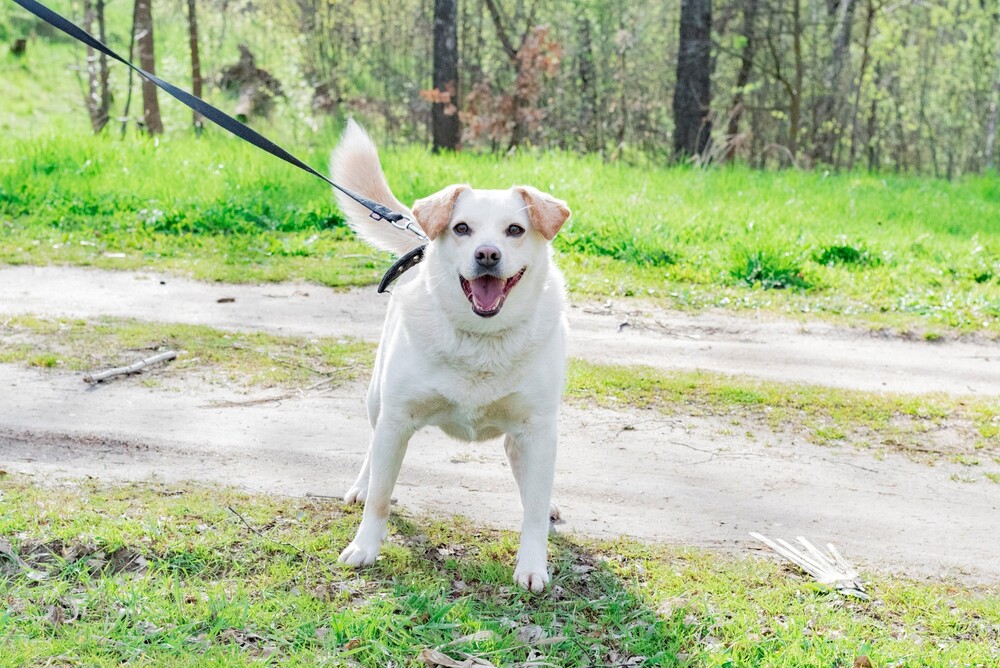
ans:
(816, 353)
(692, 481)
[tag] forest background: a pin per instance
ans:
(909, 85)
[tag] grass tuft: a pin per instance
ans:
(769, 269)
(845, 254)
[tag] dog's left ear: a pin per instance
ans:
(546, 213)
(434, 211)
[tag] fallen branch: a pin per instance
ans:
(828, 569)
(133, 368)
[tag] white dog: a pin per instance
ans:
(473, 342)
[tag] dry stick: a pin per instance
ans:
(133, 368)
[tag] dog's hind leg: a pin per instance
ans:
(384, 461)
(532, 459)
(359, 490)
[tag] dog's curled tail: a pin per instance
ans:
(355, 165)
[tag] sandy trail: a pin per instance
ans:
(697, 481)
(814, 353)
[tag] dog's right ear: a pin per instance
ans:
(434, 211)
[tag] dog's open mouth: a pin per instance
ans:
(487, 293)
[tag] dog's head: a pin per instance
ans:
(489, 239)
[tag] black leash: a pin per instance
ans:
(227, 122)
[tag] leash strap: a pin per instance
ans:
(220, 118)
(400, 266)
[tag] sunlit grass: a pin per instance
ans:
(185, 576)
(881, 251)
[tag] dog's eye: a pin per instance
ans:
(461, 229)
(515, 231)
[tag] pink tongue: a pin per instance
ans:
(486, 292)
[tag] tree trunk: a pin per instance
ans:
(445, 126)
(865, 57)
(795, 106)
(692, 94)
(590, 125)
(147, 61)
(874, 155)
(743, 77)
(196, 80)
(98, 97)
(991, 121)
(828, 126)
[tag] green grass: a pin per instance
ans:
(927, 428)
(185, 576)
(924, 427)
(243, 359)
(879, 251)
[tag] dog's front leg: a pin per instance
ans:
(532, 456)
(384, 460)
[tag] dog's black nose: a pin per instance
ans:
(487, 256)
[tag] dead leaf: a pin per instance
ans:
(436, 659)
(478, 636)
(862, 662)
(54, 616)
(531, 635)
(554, 640)
(148, 628)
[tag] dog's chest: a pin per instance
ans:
(469, 422)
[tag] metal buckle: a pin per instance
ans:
(409, 226)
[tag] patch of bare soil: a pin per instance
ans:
(622, 332)
(693, 480)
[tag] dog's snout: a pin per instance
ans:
(487, 256)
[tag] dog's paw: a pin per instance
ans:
(356, 494)
(532, 579)
(357, 555)
(555, 514)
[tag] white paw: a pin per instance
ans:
(356, 494)
(532, 579)
(358, 554)
(554, 513)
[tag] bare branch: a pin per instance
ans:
(132, 368)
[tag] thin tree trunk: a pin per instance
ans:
(93, 92)
(147, 61)
(98, 96)
(865, 56)
(196, 80)
(692, 94)
(874, 156)
(827, 125)
(445, 126)
(795, 107)
(102, 64)
(743, 77)
(589, 121)
(131, 72)
(991, 121)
